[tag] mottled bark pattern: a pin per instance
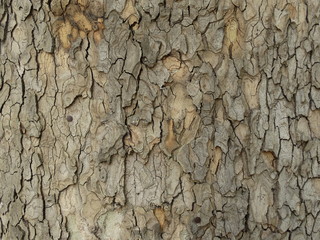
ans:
(159, 119)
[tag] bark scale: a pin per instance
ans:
(159, 119)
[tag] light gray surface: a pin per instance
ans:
(159, 119)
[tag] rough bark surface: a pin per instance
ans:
(159, 119)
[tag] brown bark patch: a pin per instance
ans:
(64, 34)
(234, 29)
(160, 215)
(77, 23)
(217, 156)
(269, 159)
(171, 142)
(82, 22)
(130, 14)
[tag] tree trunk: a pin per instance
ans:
(159, 119)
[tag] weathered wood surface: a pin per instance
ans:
(159, 119)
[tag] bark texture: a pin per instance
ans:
(159, 119)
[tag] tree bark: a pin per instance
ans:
(159, 119)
